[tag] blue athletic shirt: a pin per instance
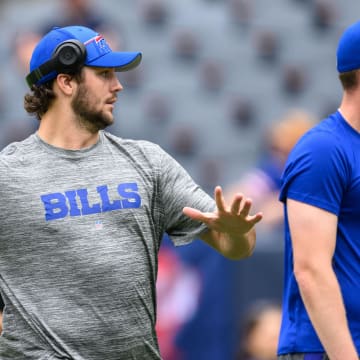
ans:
(323, 170)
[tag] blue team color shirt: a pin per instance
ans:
(323, 170)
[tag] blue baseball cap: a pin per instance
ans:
(98, 52)
(348, 52)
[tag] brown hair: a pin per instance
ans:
(38, 101)
(349, 79)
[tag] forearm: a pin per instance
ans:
(232, 246)
(323, 301)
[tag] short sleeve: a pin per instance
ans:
(316, 172)
(177, 190)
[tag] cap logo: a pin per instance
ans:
(99, 40)
(96, 47)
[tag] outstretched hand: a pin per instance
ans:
(234, 219)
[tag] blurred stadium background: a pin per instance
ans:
(216, 74)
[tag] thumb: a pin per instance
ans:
(193, 213)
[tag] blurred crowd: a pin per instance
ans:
(227, 87)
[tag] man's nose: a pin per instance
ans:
(117, 86)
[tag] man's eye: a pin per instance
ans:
(105, 74)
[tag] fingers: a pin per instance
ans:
(246, 208)
(235, 206)
(239, 206)
(194, 214)
(191, 212)
(219, 198)
(255, 218)
(242, 207)
(220, 201)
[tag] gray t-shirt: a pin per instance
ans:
(80, 233)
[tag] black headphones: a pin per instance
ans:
(68, 57)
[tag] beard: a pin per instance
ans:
(89, 117)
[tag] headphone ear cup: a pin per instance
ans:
(70, 55)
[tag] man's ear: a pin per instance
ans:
(66, 83)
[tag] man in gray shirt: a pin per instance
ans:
(83, 212)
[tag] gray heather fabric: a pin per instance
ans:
(80, 232)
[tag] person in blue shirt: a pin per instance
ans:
(321, 195)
